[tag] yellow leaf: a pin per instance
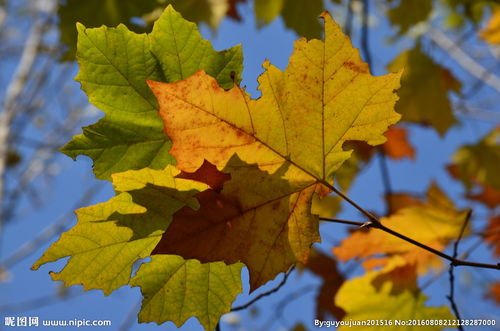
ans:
(374, 297)
(434, 223)
(492, 31)
(294, 134)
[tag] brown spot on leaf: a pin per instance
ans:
(354, 67)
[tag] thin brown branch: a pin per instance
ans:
(369, 215)
(265, 294)
(451, 296)
(377, 225)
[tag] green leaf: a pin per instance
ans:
(109, 237)
(424, 90)
(94, 13)
(298, 15)
(302, 17)
(114, 65)
(266, 11)
(479, 163)
(408, 13)
(175, 289)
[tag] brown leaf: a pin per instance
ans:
(488, 196)
(326, 267)
(398, 201)
(255, 224)
(232, 10)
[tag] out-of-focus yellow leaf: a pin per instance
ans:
(492, 31)
(375, 297)
(435, 223)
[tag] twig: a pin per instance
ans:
(260, 296)
(369, 215)
(451, 297)
(377, 225)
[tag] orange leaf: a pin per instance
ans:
(493, 234)
(492, 31)
(495, 292)
(434, 223)
(489, 196)
(397, 145)
(399, 201)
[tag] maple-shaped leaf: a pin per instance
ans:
(114, 65)
(424, 91)
(374, 296)
(478, 163)
(491, 33)
(325, 267)
(175, 289)
(109, 237)
(435, 223)
(294, 133)
(408, 13)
